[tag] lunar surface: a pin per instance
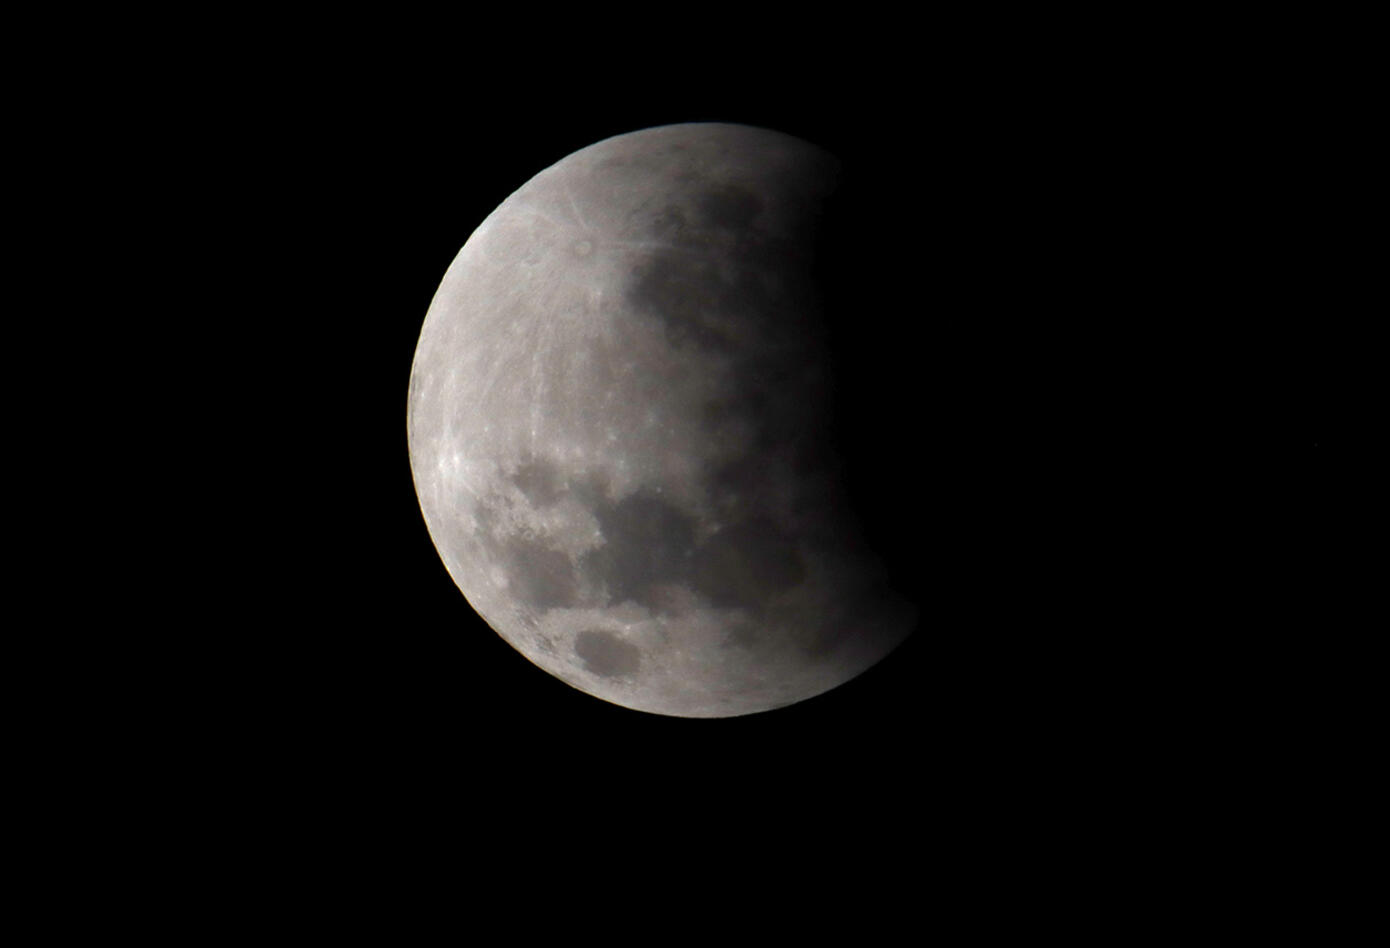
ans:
(617, 429)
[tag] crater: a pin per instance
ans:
(606, 655)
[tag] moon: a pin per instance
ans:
(617, 428)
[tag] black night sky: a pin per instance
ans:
(1092, 360)
(379, 661)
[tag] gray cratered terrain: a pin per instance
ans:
(617, 429)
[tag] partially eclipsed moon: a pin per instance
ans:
(617, 429)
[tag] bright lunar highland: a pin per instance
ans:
(618, 428)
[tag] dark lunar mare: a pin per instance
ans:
(646, 542)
